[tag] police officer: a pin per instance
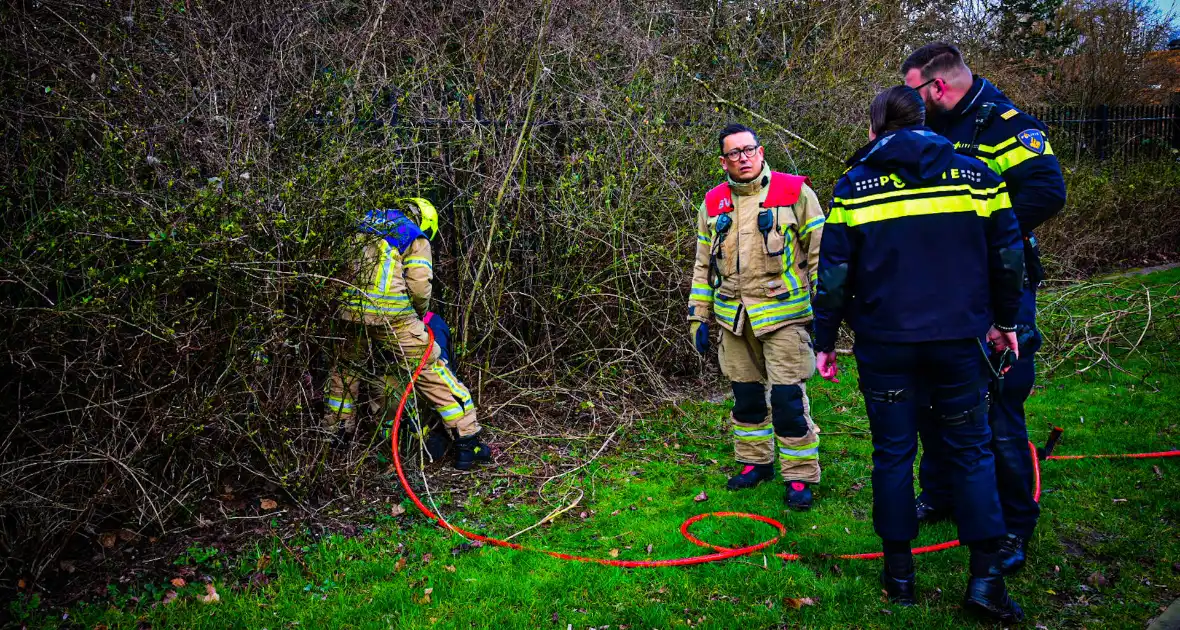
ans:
(983, 123)
(920, 254)
(758, 237)
(388, 295)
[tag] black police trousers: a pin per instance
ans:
(900, 379)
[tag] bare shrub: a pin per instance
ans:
(180, 178)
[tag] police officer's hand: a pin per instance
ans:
(1001, 341)
(699, 334)
(825, 362)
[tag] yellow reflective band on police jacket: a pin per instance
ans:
(919, 202)
(1009, 153)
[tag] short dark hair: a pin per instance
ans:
(731, 129)
(896, 108)
(934, 58)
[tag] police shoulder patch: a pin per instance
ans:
(1033, 140)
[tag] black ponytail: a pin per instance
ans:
(896, 108)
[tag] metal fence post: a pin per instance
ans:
(1103, 130)
(1176, 121)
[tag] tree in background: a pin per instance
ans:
(1071, 52)
(1031, 28)
(1105, 59)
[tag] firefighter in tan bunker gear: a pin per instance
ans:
(388, 296)
(758, 237)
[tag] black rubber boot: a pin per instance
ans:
(986, 593)
(751, 476)
(1013, 554)
(798, 496)
(437, 443)
(336, 439)
(930, 514)
(470, 451)
(898, 578)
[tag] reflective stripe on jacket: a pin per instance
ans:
(769, 291)
(921, 245)
(387, 283)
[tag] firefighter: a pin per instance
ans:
(387, 299)
(922, 257)
(758, 237)
(983, 123)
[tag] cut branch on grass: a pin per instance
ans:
(551, 516)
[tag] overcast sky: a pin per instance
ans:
(1173, 7)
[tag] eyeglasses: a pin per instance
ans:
(919, 88)
(735, 154)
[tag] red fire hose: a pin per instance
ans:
(720, 553)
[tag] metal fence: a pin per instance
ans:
(1104, 132)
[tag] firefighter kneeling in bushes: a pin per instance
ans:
(389, 296)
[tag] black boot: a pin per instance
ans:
(898, 578)
(751, 475)
(437, 443)
(986, 594)
(341, 438)
(471, 450)
(798, 496)
(928, 513)
(434, 442)
(1013, 554)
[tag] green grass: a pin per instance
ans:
(379, 580)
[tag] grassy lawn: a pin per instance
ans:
(1104, 555)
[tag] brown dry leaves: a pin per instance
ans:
(210, 596)
(425, 599)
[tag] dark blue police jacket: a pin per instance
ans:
(921, 245)
(1013, 144)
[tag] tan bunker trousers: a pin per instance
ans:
(405, 341)
(784, 359)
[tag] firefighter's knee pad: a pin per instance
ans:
(749, 403)
(786, 404)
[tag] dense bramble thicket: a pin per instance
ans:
(180, 176)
